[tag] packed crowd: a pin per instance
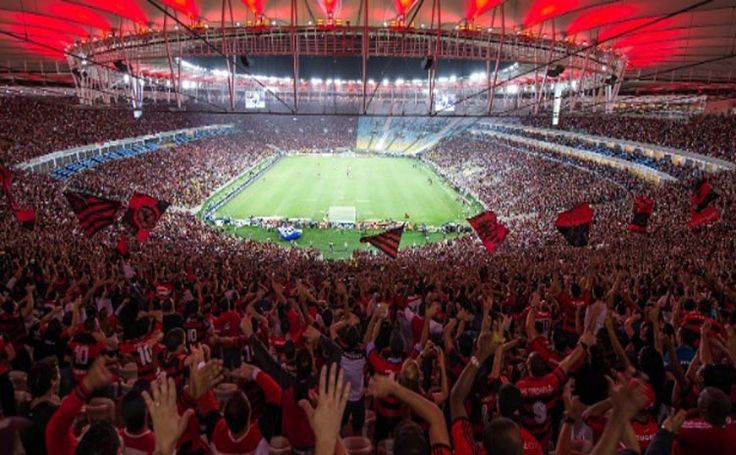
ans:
(181, 175)
(34, 126)
(198, 342)
(713, 136)
(663, 165)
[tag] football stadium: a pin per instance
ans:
(347, 227)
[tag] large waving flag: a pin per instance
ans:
(575, 224)
(489, 230)
(27, 217)
(5, 179)
(643, 208)
(94, 213)
(703, 211)
(387, 241)
(143, 214)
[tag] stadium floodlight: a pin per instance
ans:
(453, 78)
(371, 82)
(315, 81)
(442, 80)
(478, 76)
(512, 89)
(338, 81)
(399, 81)
(328, 82)
(417, 82)
(385, 81)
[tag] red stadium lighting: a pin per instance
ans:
(128, 9)
(330, 8)
(402, 6)
(255, 6)
(622, 28)
(187, 7)
(47, 23)
(543, 10)
(599, 16)
(478, 7)
(80, 14)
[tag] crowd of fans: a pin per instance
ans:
(662, 165)
(34, 126)
(713, 136)
(197, 342)
(182, 175)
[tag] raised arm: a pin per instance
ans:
(382, 387)
(463, 385)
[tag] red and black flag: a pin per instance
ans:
(575, 224)
(27, 217)
(703, 211)
(387, 241)
(643, 208)
(94, 213)
(489, 230)
(5, 179)
(122, 247)
(143, 214)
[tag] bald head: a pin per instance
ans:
(714, 405)
(502, 437)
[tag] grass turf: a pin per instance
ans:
(379, 187)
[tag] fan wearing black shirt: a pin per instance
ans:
(43, 382)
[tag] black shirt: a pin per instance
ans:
(34, 437)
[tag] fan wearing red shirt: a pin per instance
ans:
(100, 435)
(713, 432)
(502, 434)
(227, 327)
(197, 329)
(644, 424)
(172, 358)
(408, 435)
(541, 390)
(84, 347)
(144, 349)
(137, 438)
(235, 433)
(388, 410)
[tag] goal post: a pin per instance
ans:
(342, 215)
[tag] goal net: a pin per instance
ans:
(342, 215)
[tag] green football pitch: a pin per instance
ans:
(380, 188)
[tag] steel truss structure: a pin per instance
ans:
(590, 78)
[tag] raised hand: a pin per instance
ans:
(381, 386)
(627, 398)
(326, 418)
(168, 425)
(202, 375)
(98, 376)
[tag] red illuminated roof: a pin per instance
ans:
(653, 34)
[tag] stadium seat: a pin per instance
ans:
(357, 445)
(101, 409)
(279, 445)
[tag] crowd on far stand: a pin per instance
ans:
(713, 136)
(197, 342)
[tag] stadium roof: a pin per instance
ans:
(658, 36)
